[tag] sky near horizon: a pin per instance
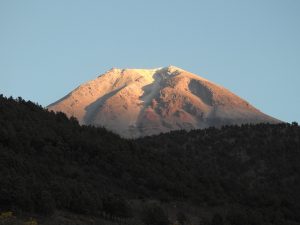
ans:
(251, 47)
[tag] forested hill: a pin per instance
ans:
(246, 174)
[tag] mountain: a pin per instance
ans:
(141, 102)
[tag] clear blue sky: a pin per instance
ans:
(251, 47)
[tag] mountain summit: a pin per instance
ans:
(141, 102)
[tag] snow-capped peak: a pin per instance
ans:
(139, 102)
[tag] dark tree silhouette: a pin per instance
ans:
(153, 214)
(49, 162)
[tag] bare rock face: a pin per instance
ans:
(138, 102)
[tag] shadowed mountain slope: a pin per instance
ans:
(248, 174)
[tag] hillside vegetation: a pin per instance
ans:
(235, 175)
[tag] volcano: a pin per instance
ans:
(141, 102)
